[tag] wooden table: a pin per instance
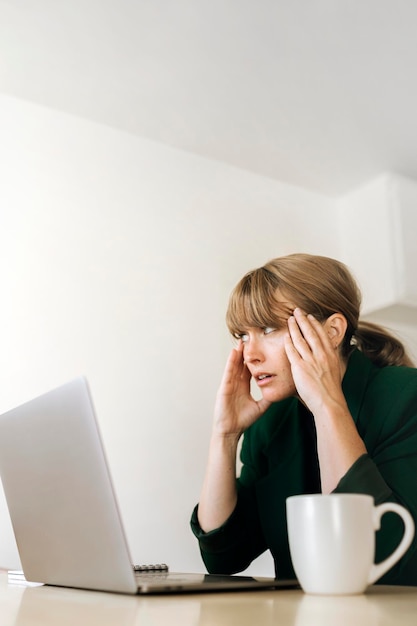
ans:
(52, 606)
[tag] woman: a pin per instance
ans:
(338, 413)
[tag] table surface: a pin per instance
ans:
(22, 605)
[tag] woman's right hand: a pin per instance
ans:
(235, 408)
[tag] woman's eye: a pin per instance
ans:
(268, 330)
(242, 336)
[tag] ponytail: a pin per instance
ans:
(380, 346)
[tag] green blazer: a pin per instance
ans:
(279, 457)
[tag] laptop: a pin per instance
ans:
(63, 507)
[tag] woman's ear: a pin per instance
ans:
(336, 326)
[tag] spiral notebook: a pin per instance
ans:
(63, 507)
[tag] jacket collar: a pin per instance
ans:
(355, 381)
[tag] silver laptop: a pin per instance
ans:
(63, 507)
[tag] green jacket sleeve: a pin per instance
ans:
(234, 545)
(272, 468)
(387, 423)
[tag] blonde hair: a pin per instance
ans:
(266, 297)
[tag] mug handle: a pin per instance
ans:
(378, 570)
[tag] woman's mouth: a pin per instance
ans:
(263, 379)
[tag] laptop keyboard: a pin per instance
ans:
(160, 567)
(144, 573)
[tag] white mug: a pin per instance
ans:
(332, 541)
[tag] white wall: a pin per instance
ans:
(117, 259)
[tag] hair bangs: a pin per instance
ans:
(254, 304)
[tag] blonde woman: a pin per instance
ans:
(338, 413)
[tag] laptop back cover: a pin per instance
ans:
(60, 495)
(63, 507)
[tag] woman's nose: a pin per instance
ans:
(252, 351)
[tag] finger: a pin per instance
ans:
(327, 343)
(300, 342)
(290, 349)
(238, 358)
(232, 364)
(310, 331)
(321, 332)
(235, 369)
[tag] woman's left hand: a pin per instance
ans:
(316, 364)
(318, 368)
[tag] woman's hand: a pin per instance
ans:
(317, 369)
(235, 408)
(316, 365)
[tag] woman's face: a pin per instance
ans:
(265, 357)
